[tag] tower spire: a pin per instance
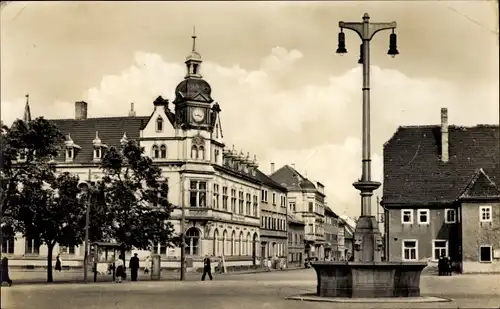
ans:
(27, 112)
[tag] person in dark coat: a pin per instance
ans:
(207, 268)
(134, 267)
(58, 263)
(5, 271)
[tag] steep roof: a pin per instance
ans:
(111, 130)
(414, 173)
(329, 211)
(288, 177)
(266, 180)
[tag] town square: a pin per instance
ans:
(336, 157)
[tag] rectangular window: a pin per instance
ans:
(291, 206)
(233, 200)
(241, 201)
(274, 198)
(407, 216)
(450, 216)
(485, 254)
(264, 196)
(225, 197)
(197, 193)
(32, 247)
(255, 205)
(163, 249)
(410, 250)
(248, 202)
(67, 250)
(8, 244)
(423, 216)
(216, 196)
(439, 248)
(485, 214)
(311, 207)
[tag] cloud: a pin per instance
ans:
(317, 127)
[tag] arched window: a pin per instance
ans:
(249, 243)
(233, 243)
(156, 152)
(159, 124)
(163, 151)
(194, 152)
(224, 243)
(216, 156)
(192, 241)
(242, 244)
(216, 242)
(201, 153)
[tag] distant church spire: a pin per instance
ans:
(27, 112)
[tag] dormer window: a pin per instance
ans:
(99, 147)
(97, 153)
(71, 148)
(163, 151)
(22, 155)
(70, 154)
(159, 124)
(156, 152)
(216, 156)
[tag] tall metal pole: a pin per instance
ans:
(87, 224)
(182, 227)
(367, 233)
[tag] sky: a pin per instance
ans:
(285, 95)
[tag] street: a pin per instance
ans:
(259, 290)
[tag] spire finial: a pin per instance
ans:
(194, 37)
(27, 112)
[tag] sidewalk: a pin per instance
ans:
(21, 277)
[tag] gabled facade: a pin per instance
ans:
(306, 201)
(441, 195)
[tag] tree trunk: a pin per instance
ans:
(50, 248)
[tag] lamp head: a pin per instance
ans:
(341, 48)
(393, 48)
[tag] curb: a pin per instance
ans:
(421, 299)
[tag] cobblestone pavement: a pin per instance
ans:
(261, 290)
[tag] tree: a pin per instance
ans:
(35, 202)
(134, 201)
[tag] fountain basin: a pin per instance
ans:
(368, 279)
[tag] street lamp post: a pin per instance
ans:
(183, 228)
(367, 235)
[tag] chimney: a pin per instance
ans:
(272, 167)
(293, 166)
(131, 112)
(444, 135)
(80, 110)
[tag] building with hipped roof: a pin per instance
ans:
(221, 188)
(442, 195)
(306, 201)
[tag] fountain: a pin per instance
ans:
(367, 276)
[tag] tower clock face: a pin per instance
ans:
(198, 114)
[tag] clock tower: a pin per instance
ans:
(193, 100)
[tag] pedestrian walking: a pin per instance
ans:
(58, 263)
(120, 269)
(207, 268)
(134, 267)
(5, 271)
(147, 264)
